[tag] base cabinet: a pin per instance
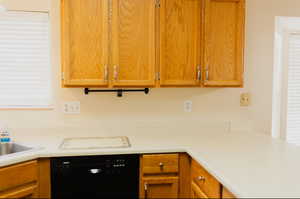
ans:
(159, 176)
(19, 181)
(227, 194)
(203, 184)
(197, 192)
(160, 187)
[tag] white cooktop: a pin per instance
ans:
(95, 142)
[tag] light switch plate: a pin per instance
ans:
(71, 107)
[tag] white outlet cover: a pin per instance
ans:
(71, 107)
(188, 106)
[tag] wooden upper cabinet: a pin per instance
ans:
(180, 42)
(84, 42)
(224, 43)
(133, 43)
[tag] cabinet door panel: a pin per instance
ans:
(197, 192)
(159, 187)
(27, 191)
(224, 42)
(84, 42)
(180, 33)
(133, 41)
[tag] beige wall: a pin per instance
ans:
(215, 106)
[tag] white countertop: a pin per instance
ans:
(248, 165)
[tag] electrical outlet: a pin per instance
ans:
(188, 106)
(71, 108)
(245, 99)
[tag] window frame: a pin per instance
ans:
(50, 106)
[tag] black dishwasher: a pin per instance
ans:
(112, 176)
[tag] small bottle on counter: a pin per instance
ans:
(5, 141)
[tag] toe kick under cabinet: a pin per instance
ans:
(152, 43)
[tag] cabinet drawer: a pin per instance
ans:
(160, 164)
(27, 191)
(18, 175)
(206, 182)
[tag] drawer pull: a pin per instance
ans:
(161, 165)
(200, 178)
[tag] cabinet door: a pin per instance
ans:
(180, 44)
(197, 192)
(224, 42)
(159, 187)
(133, 43)
(28, 191)
(84, 42)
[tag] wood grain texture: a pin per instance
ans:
(180, 44)
(18, 175)
(196, 192)
(184, 175)
(151, 164)
(157, 181)
(159, 187)
(44, 178)
(84, 39)
(210, 186)
(227, 194)
(24, 191)
(133, 43)
(224, 42)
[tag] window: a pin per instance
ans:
(25, 73)
(286, 103)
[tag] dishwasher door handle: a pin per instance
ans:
(95, 171)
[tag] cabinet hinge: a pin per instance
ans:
(157, 3)
(157, 76)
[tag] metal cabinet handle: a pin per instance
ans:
(200, 178)
(161, 165)
(146, 190)
(106, 73)
(199, 76)
(116, 73)
(94, 171)
(207, 74)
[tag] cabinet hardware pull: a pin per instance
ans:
(201, 178)
(161, 165)
(207, 74)
(146, 190)
(116, 72)
(94, 171)
(105, 72)
(199, 76)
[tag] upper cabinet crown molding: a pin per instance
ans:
(153, 43)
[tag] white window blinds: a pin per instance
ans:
(25, 73)
(293, 98)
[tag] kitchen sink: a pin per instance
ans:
(13, 148)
